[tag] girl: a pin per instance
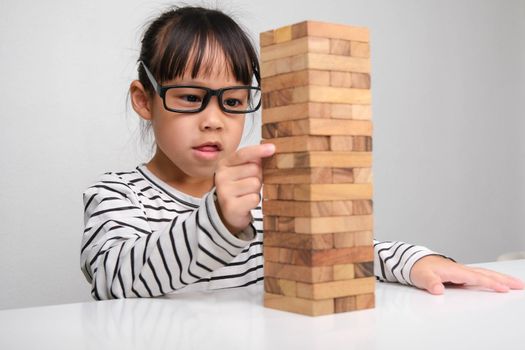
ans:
(190, 219)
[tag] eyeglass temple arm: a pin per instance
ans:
(151, 77)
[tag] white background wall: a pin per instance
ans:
(448, 90)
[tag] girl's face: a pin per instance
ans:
(181, 138)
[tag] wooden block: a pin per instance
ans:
(266, 38)
(297, 176)
(330, 30)
(285, 224)
(271, 254)
(296, 47)
(296, 111)
(360, 80)
(345, 304)
(276, 130)
(340, 47)
(327, 192)
(298, 305)
(296, 241)
(339, 256)
(342, 175)
(314, 93)
(352, 239)
(323, 192)
(295, 79)
(336, 289)
(317, 61)
(361, 112)
(361, 175)
(341, 143)
(317, 127)
(280, 66)
(362, 143)
(362, 207)
(344, 239)
(324, 159)
(282, 129)
(286, 256)
(364, 238)
(309, 208)
(364, 269)
(332, 63)
(277, 98)
(341, 79)
(297, 273)
(341, 208)
(360, 49)
(282, 192)
(280, 286)
(299, 143)
(324, 257)
(344, 272)
(365, 301)
(297, 208)
(270, 191)
(269, 223)
(348, 111)
(341, 111)
(332, 94)
(332, 224)
(352, 303)
(349, 80)
(269, 163)
(282, 34)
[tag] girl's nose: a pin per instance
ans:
(211, 118)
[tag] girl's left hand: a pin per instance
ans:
(432, 271)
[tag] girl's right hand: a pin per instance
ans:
(238, 181)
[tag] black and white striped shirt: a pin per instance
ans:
(144, 238)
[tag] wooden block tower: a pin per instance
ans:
(317, 187)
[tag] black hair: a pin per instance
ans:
(182, 33)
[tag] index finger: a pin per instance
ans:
(475, 278)
(512, 282)
(251, 154)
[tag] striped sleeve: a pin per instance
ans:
(393, 260)
(121, 256)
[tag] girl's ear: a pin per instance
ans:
(140, 100)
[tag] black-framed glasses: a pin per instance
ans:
(193, 98)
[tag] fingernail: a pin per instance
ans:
(269, 147)
(438, 289)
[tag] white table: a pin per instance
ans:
(404, 318)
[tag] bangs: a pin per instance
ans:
(200, 43)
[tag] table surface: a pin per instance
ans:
(404, 318)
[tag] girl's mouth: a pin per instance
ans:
(206, 152)
(208, 148)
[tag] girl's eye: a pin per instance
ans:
(191, 98)
(231, 102)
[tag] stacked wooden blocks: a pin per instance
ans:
(317, 205)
